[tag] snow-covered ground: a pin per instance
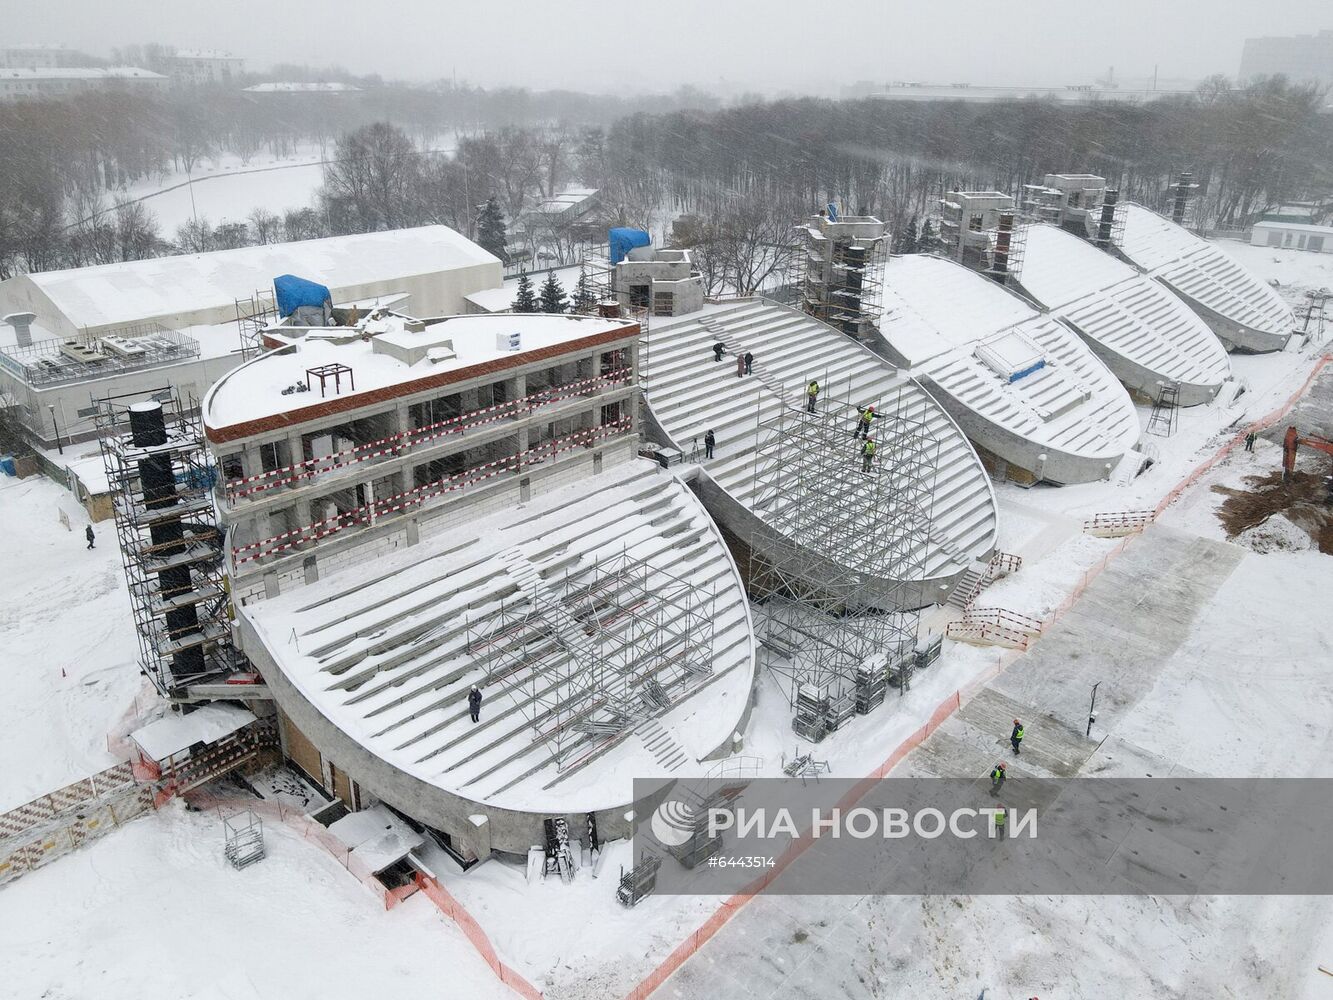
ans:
(71, 659)
(154, 910)
(228, 189)
(1247, 693)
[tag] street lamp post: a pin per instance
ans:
(1092, 709)
(60, 447)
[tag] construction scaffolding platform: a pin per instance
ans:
(840, 272)
(984, 231)
(592, 657)
(161, 475)
(253, 315)
(848, 540)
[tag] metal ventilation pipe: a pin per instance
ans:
(22, 324)
(1183, 187)
(1107, 220)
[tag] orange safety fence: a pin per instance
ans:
(733, 904)
(466, 923)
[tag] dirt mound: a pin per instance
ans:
(1269, 515)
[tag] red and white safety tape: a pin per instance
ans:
(235, 488)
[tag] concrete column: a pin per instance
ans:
(251, 462)
(476, 837)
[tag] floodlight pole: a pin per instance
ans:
(1092, 715)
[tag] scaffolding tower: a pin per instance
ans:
(984, 231)
(591, 656)
(161, 479)
(253, 316)
(840, 271)
(838, 548)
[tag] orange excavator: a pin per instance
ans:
(1292, 441)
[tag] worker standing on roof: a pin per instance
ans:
(1016, 737)
(997, 777)
(718, 348)
(811, 396)
(710, 441)
(999, 822)
(740, 366)
(474, 703)
(749, 362)
(1249, 441)
(867, 454)
(863, 422)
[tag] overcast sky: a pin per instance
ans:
(725, 45)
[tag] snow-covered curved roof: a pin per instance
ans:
(1019, 381)
(1144, 333)
(688, 394)
(1254, 316)
(388, 656)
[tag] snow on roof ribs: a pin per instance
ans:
(687, 394)
(1239, 308)
(384, 658)
(1144, 333)
(1070, 421)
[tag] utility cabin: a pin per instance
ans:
(1292, 236)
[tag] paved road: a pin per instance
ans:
(1129, 623)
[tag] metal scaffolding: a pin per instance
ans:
(170, 542)
(590, 656)
(839, 548)
(253, 315)
(984, 231)
(840, 277)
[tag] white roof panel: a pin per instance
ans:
(165, 286)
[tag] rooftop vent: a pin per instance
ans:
(22, 324)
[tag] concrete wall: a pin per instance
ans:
(505, 830)
(73, 401)
(1234, 335)
(1144, 381)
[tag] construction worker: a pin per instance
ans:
(1249, 441)
(1016, 737)
(863, 421)
(867, 454)
(718, 348)
(740, 365)
(710, 441)
(88, 534)
(749, 362)
(474, 703)
(811, 396)
(999, 822)
(997, 777)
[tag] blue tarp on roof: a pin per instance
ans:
(622, 241)
(292, 293)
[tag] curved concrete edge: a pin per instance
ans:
(745, 525)
(1060, 468)
(1145, 381)
(1234, 336)
(509, 831)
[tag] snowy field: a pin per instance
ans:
(226, 188)
(154, 910)
(68, 641)
(1247, 693)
